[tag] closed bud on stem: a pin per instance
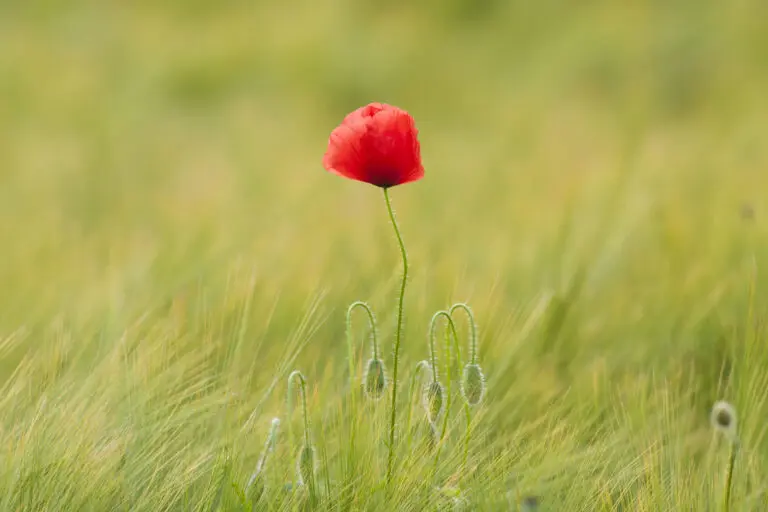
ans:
(433, 401)
(530, 504)
(724, 420)
(375, 379)
(473, 384)
(305, 465)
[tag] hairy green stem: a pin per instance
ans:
(472, 329)
(297, 375)
(398, 334)
(352, 377)
(371, 325)
(473, 360)
(729, 477)
(449, 385)
(431, 339)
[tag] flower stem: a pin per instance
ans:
(352, 389)
(303, 392)
(729, 478)
(451, 333)
(473, 360)
(472, 329)
(398, 333)
(431, 338)
(350, 345)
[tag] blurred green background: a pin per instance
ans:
(160, 161)
(151, 145)
(183, 135)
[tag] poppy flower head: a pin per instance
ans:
(376, 144)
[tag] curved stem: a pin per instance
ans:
(431, 339)
(729, 478)
(472, 329)
(351, 357)
(447, 412)
(473, 360)
(297, 375)
(398, 333)
(467, 412)
(422, 365)
(371, 325)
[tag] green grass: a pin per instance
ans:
(172, 250)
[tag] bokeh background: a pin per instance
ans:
(596, 186)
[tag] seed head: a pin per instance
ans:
(724, 419)
(433, 401)
(305, 465)
(375, 379)
(473, 384)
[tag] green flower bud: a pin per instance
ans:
(473, 384)
(375, 380)
(724, 420)
(433, 401)
(530, 504)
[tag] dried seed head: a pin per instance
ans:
(305, 465)
(473, 384)
(724, 419)
(375, 379)
(433, 401)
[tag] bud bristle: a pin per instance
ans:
(305, 465)
(473, 384)
(433, 401)
(375, 379)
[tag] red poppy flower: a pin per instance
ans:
(376, 144)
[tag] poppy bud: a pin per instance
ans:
(724, 419)
(375, 380)
(433, 401)
(305, 465)
(473, 384)
(530, 504)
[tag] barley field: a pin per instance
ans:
(171, 250)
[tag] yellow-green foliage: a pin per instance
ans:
(171, 249)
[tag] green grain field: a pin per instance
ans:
(171, 249)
